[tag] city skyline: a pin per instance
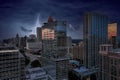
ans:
(59, 40)
(23, 16)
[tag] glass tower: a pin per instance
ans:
(95, 33)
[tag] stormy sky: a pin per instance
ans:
(23, 16)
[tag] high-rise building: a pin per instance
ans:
(61, 50)
(112, 30)
(23, 41)
(69, 42)
(76, 52)
(95, 33)
(48, 34)
(61, 38)
(109, 61)
(39, 34)
(54, 41)
(12, 64)
(112, 34)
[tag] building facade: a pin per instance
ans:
(54, 40)
(39, 34)
(12, 64)
(76, 52)
(34, 46)
(112, 34)
(95, 33)
(109, 62)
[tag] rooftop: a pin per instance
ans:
(4, 49)
(115, 50)
(37, 69)
(74, 62)
(83, 71)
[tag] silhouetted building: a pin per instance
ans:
(17, 40)
(114, 41)
(23, 41)
(39, 34)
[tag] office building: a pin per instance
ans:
(23, 41)
(109, 62)
(76, 52)
(69, 41)
(39, 34)
(12, 64)
(34, 46)
(112, 34)
(54, 43)
(112, 30)
(47, 34)
(95, 33)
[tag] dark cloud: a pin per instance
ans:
(25, 30)
(24, 12)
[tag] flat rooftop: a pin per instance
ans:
(74, 62)
(115, 50)
(4, 49)
(83, 71)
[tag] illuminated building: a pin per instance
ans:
(112, 34)
(112, 30)
(54, 44)
(48, 34)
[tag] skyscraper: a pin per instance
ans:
(112, 34)
(112, 30)
(54, 40)
(39, 34)
(48, 36)
(95, 33)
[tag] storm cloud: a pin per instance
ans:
(24, 12)
(25, 30)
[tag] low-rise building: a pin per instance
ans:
(34, 46)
